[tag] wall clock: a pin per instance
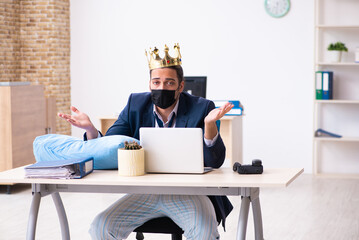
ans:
(277, 8)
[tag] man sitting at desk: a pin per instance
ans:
(165, 106)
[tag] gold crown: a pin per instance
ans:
(155, 61)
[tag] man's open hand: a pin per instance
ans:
(79, 119)
(218, 113)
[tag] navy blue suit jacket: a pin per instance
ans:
(191, 113)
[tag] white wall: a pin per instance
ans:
(264, 62)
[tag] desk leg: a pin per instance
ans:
(243, 219)
(257, 218)
(34, 210)
(250, 196)
(65, 233)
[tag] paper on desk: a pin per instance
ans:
(63, 169)
(57, 173)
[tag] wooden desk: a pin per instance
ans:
(231, 133)
(218, 182)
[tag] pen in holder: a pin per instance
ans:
(131, 160)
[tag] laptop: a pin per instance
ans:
(173, 150)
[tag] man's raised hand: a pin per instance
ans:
(80, 120)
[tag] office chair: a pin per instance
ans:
(163, 225)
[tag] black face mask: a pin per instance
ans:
(163, 98)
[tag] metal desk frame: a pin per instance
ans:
(248, 196)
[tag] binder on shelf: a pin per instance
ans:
(327, 78)
(235, 112)
(220, 103)
(60, 169)
(237, 109)
(322, 133)
(318, 85)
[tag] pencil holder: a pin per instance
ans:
(131, 162)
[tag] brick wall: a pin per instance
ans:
(35, 47)
(9, 40)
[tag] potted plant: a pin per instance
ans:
(335, 50)
(131, 160)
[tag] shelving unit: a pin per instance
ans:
(337, 101)
(336, 64)
(342, 139)
(337, 26)
(337, 20)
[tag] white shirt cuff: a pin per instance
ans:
(210, 143)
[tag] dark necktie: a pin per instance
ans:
(160, 123)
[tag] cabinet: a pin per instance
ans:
(337, 20)
(22, 118)
(231, 133)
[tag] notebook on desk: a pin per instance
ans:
(173, 150)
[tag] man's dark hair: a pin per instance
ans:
(179, 71)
